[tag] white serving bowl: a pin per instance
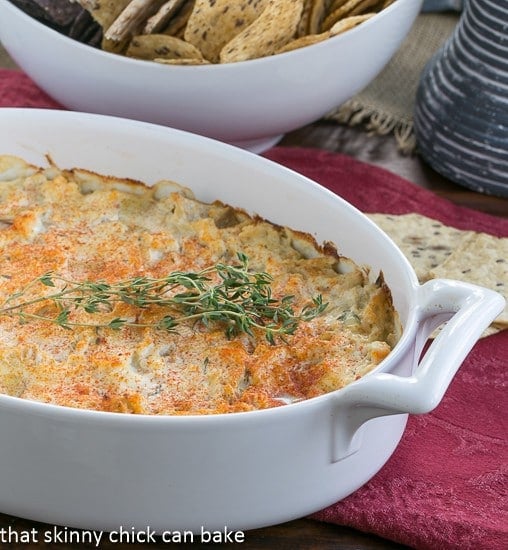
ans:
(251, 104)
(100, 470)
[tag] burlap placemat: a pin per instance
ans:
(386, 105)
(5, 60)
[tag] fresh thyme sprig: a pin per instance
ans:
(241, 300)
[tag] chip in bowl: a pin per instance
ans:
(213, 31)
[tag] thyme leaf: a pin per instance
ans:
(242, 301)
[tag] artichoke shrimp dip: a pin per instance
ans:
(117, 296)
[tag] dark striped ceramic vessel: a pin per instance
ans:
(461, 112)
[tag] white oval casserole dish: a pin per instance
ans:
(98, 470)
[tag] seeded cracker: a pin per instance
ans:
(162, 17)
(336, 4)
(303, 25)
(349, 8)
(161, 46)
(178, 23)
(439, 251)
(483, 260)
(349, 22)
(318, 12)
(362, 7)
(275, 27)
(132, 19)
(212, 26)
(213, 23)
(303, 41)
(104, 12)
(182, 61)
(339, 27)
(425, 242)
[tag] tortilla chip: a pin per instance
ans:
(161, 46)
(213, 23)
(272, 30)
(480, 259)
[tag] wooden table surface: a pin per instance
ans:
(305, 533)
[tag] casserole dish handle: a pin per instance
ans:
(470, 310)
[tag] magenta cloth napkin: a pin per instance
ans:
(445, 487)
(18, 90)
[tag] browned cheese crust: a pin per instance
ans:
(90, 227)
